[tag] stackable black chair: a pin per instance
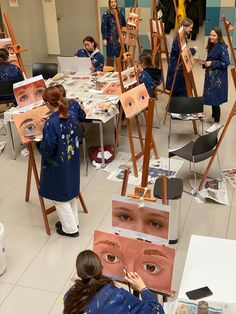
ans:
(47, 70)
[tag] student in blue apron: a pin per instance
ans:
(91, 51)
(8, 71)
(109, 31)
(216, 78)
(60, 167)
(93, 293)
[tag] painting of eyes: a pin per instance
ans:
(153, 262)
(134, 100)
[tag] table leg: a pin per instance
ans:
(101, 143)
(12, 141)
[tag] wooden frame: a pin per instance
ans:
(227, 29)
(45, 212)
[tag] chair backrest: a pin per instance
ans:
(205, 143)
(186, 105)
(47, 70)
(6, 87)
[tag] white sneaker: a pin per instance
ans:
(213, 128)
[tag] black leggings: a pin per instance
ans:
(216, 113)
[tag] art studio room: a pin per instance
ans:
(117, 156)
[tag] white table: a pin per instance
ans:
(211, 262)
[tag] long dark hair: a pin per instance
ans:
(218, 31)
(53, 96)
(110, 8)
(91, 40)
(4, 55)
(89, 270)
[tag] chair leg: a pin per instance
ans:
(4, 128)
(85, 156)
(195, 179)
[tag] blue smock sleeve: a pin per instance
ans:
(174, 55)
(223, 61)
(99, 64)
(49, 143)
(148, 305)
(104, 25)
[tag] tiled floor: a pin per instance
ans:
(40, 267)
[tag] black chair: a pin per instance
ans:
(199, 150)
(185, 106)
(6, 90)
(47, 70)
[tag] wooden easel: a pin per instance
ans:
(45, 212)
(17, 48)
(189, 82)
(229, 27)
(159, 46)
(122, 63)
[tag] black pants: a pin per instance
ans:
(216, 113)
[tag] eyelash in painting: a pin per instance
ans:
(154, 224)
(124, 217)
(23, 97)
(30, 127)
(111, 258)
(151, 268)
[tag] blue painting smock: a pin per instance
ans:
(97, 59)
(60, 167)
(216, 78)
(9, 71)
(110, 33)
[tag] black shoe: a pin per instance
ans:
(59, 225)
(61, 232)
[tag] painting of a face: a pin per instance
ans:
(7, 44)
(134, 100)
(153, 262)
(145, 220)
(129, 36)
(128, 77)
(112, 89)
(29, 93)
(30, 124)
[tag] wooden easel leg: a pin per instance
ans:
(35, 171)
(131, 143)
(28, 182)
(83, 203)
(118, 131)
(139, 133)
(153, 144)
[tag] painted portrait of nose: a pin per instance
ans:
(153, 262)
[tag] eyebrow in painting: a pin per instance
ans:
(26, 121)
(123, 208)
(109, 243)
(154, 252)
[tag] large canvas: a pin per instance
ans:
(187, 58)
(29, 92)
(129, 36)
(134, 100)
(7, 44)
(139, 219)
(153, 262)
(128, 77)
(29, 124)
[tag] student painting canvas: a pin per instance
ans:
(187, 58)
(29, 92)
(128, 77)
(129, 36)
(140, 219)
(29, 124)
(112, 89)
(134, 100)
(153, 262)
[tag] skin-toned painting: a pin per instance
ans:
(129, 36)
(7, 44)
(128, 77)
(112, 89)
(29, 92)
(153, 262)
(187, 58)
(30, 124)
(139, 219)
(134, 100)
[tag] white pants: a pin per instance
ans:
(68, 215)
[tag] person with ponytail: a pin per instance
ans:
(91, 51)
(94, 293)
(60, 167)
(8, 71)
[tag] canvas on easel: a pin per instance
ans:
(187, 58)
(7, 44)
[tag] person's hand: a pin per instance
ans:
(135, 281)
(195, 48)
(92, 69)
(207, 64)
(138, 68)
(202, 62)
(45, 117)
(104, 42)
